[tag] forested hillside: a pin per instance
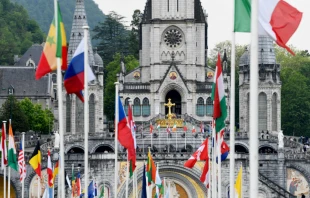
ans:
(43, 11)
(17, 31)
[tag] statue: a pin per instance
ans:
(57, 141)
(280, 139)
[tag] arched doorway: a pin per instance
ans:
(175, 98)
(104, 149)
(75, 150)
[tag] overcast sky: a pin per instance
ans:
(220, 19)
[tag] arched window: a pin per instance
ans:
(68, 113)
(79, 116)
(262, 112)
(126, 105)
(136, 107)
(145, 107)
(274, 112)
(200, 107)
(92, 113)
(209, 106)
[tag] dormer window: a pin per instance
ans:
(11, 90)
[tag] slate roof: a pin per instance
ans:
(34, 52)
(23, 81)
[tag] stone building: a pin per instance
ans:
(173, 48)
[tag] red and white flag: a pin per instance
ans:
(168, 129)
(205, 176)
(21, 164)
(132, 151)
(200, 154)
(151, 128)
(194, 129)
(4, 159)
(49, 170)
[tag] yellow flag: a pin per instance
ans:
(238, 184)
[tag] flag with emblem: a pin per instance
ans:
(53, 48)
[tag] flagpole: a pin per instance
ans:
(152, 139)
(142, 137)
(60, 108)
(209, 180)
(86, 110)
(136, 187)
(4, 167)
(39, 186)
(213, 162)
(127, 178)
(219, 163)
(176, 141)
(254, 101)
(232, 117)
(116, 134)
(23, 147)
(9, 177)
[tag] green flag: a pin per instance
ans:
(102, 193)
(242, 16)
(12, 157)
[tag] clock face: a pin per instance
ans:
(173, 38)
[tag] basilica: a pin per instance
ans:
(172, 78)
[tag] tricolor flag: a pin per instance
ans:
(158, 183)
(4, 160)
(132, 157)
(184, 126)
(168, 129)
(150, 169)
(74, 76)
(12, 156)
(151, 128)
(78, 184)
(73, 185)
(53, 48)
(21, 163)
(56, 170)
(200, 154)
(35, 160)
(238, 184)
(174, 128)
(101, 192)
(277, 19)
(50, 180)
(158, 127)
(205, 176)
(218, 96)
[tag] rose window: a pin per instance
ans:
(173, 38)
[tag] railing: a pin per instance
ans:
(275, 187)
(144, 87)
(204, 87)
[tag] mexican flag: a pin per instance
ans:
(277, 19)
(218, 97)
(12, 157)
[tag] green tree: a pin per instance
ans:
(295, 103)
(113, 68)
(11, 109)
(134, 34)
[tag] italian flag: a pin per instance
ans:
(53, 48)
(12, 157)
(150, 169)
(174, 128)
(277, 19)
(219, 99)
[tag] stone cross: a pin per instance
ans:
(169, 105)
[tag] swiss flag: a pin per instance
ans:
(200, 154)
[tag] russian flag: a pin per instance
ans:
(125, 137)
(74, 76)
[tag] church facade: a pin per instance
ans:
(173, 54)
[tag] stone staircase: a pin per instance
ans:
(275, 187)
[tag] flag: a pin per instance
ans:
(158, 184)
(194, 129)
(200, 154)
(277, 19)
(78, 184)
(67, 180)
(238, 184)
(158, 127)
(95, 189)
(21, 163)
(4, 160)
(12, 156)
(168, 129)
(150, 169)
(35, 160)
(102, 193)
(144, 186)
(73, 185)
(167, 195)
(151, 128)
(74, 76)
(53, 48)
(49, 170)
(127, 137)
(56, 170)
(224, 148)
(184, 126)
(174, 128)
(219, 99)
(45, 194)
(91, 190)
(205, 176)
